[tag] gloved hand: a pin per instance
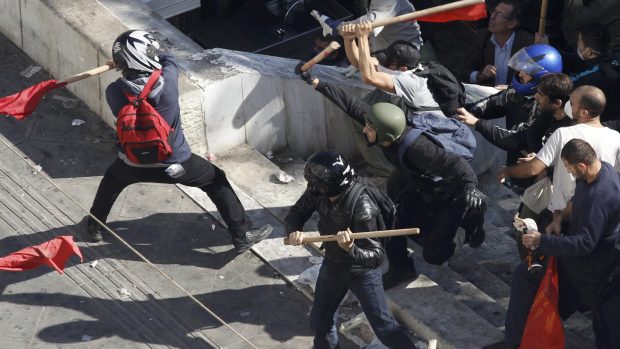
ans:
(305, 75)
(473, 198)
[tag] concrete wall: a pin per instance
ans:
(227, 98)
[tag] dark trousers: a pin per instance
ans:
(199, 173)
(438, 218)
(332, 285)
(523, 290)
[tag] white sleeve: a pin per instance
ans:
(551, 150)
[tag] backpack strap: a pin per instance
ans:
(410, 137)
(355, 194)
(147, 88)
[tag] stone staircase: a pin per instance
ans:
(463, 304)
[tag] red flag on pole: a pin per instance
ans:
(54, 253)
(469, 13)
(24, 102)
(543, 328)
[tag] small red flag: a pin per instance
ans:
(543, 328)
(24, 102)
(468, 13)
(54, 253)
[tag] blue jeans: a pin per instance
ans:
(332, 285)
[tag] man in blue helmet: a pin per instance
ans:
(517, 103)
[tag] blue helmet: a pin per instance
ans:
(536, 61)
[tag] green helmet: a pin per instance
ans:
(387, 120)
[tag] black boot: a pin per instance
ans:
(399, 272)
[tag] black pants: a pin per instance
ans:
(438, 218)
(199, 173)
(523, 289)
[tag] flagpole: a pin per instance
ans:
(87, 74)
(426, 12)
(543, 17)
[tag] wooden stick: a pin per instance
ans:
(364, 235)
(426, 12)
(543, 17)
(87, 74)
(333, 46)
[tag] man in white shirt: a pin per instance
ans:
(587, 103)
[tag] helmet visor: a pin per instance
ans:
(523, 62)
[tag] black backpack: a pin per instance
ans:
(446, 89)
(386, 206)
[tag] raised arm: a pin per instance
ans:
(368, 70)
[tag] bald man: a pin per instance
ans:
(587, 103)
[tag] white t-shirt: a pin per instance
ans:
(606, 144)
(414, 90)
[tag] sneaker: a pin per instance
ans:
(251, 237)
(94, 231)
(477, 237)
(395, 276)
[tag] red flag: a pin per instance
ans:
(24, 102)
(468, 13)
(54, 253)
(543, 328)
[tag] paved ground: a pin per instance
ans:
(86, 308)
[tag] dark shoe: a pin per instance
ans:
(251, 237)
(395, 276)
(477, 237)
(94, 231)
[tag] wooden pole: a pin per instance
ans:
(333, 46)
(543, 17)
(87, 74)
(364, 235)
(426, 12)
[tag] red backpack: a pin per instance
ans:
(142, 132)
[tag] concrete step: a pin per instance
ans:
(25, 212)
(416, 304)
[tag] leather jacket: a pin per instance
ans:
(334, 217)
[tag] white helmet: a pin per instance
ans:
(136, 50)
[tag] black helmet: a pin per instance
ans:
(136, 50)
(328, 173)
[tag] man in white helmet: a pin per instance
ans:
(136, 54)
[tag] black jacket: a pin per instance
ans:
(426, 158)
(529, 138)
(519, 111)
(604, 73)
(334, 217)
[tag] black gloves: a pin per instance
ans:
(473, 198)
(305, 75)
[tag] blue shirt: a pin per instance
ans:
(502, 55)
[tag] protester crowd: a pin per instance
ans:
(555, 93)
(558, 93)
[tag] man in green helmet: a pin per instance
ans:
(436, 190)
